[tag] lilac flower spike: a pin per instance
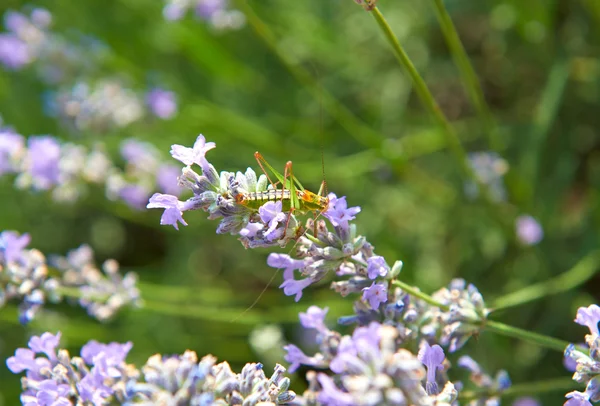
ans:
(433, 359)
(338, 212)
(173, 209)
(589, 317)
(194, 155)
(12, 245)
(375, 294)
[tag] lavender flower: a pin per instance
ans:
(433, 358)
(529, 231)
(221, 195)
(162, 103)
(100, 376)
(12, 149)
(215, 12)
(26, 278)
(369, 368)
(100, 106)
(587, 365)
(489, 168)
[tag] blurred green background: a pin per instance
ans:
(539, 66)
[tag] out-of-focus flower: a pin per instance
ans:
(162, 103)
(100, 376)
(529, 231)
(490, 169)
(216, 13)
(26, 279)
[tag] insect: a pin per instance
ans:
(288, 190)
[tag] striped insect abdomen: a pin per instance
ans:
(253, 200)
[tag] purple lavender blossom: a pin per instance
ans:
(136, 196)
(206, 9)
(174, 11)
(12, 245)
(294, 287)
(44, 159)
(577, 399)
(285, 262)
(271, 214)
(49, 393)
(14, 53)
(10, 146)
(433, 358)
(194, 155)
(314, 318)
(139, 154)
(589, 317)
(375, 294)
(251, 229)
(46, 344)
(331, 395)
(162, 103)
(338, 212)
(173, 209)
(166, 179)
(377, 267)
(526, 401)
(528, 230)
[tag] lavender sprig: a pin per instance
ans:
(28, 277)
(216, 13)
(336, 251)
(67, 169)
(370, 367)
(587, 366)
(100, 376)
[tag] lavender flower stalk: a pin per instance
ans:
(67, 170)
(28, 277)
(339, 252)
(100, 376)
(587, 366)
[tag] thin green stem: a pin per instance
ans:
(529, 336)
(525, 388)
(424, 94)
(578, 274)
(413, 291)
(355, 127)
(468, 75)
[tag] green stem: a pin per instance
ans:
(355, 127)
(413, 291)
(424, 94)
(529, 336)
(468, 74)
(578, 274)
(525, 388)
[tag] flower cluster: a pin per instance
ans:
(221, 196)
(490, 169)
(27, 276)
(336, 250)
(66, 169)
(370, 367)
(79, 104)
(216, 13)
(100, 376)
(587, 363)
